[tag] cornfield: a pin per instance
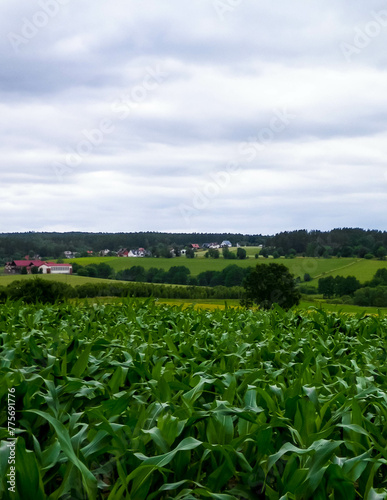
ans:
(143, 401)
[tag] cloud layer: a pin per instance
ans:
(215, 115)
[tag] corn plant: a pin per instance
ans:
(141, 401)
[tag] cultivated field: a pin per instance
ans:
(63, 278)
(298, 266)
(145, 401)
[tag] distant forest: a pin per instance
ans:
(343, 242)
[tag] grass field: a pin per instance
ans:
(63, 278)
(298, 266)
(72, 280)
(212, 304)
(362, 269)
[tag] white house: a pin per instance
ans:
(69, 255)
(52, 268)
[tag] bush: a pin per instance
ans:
(82, 271)
(39, 290)
(308, 290)
(190, 253)
(213, 253)
(367, 296)
(241, 253)
(347, 299)
(3, 294)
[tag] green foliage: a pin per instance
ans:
(338, 286)
(367, 296)
(241, 253)
(380, 278)
(232, 275)
(264, 252)
(308, 289)
(190, 253)
(227, 254)
(213, 253)
(39, 290)
(149, 402)
(270, 284)
(381, 253)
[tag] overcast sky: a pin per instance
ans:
(193, 115)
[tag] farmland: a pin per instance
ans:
(62, 278)
(72, 280)
(147, 401)
(298, 266)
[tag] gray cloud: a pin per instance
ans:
(133, 116)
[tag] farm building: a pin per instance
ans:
(16, 266)
(52, 268)
(69, 255)
(123, 252)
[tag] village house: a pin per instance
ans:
(16, 266)
(69, 255)
(139, 252)
(123, 252)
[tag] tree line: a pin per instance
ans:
(232, 275)
(52, 245)
(349, 290)
(264, 286)
(45, 291)
(344, 242)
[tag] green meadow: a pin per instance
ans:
(63, 278)
(299, 266)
